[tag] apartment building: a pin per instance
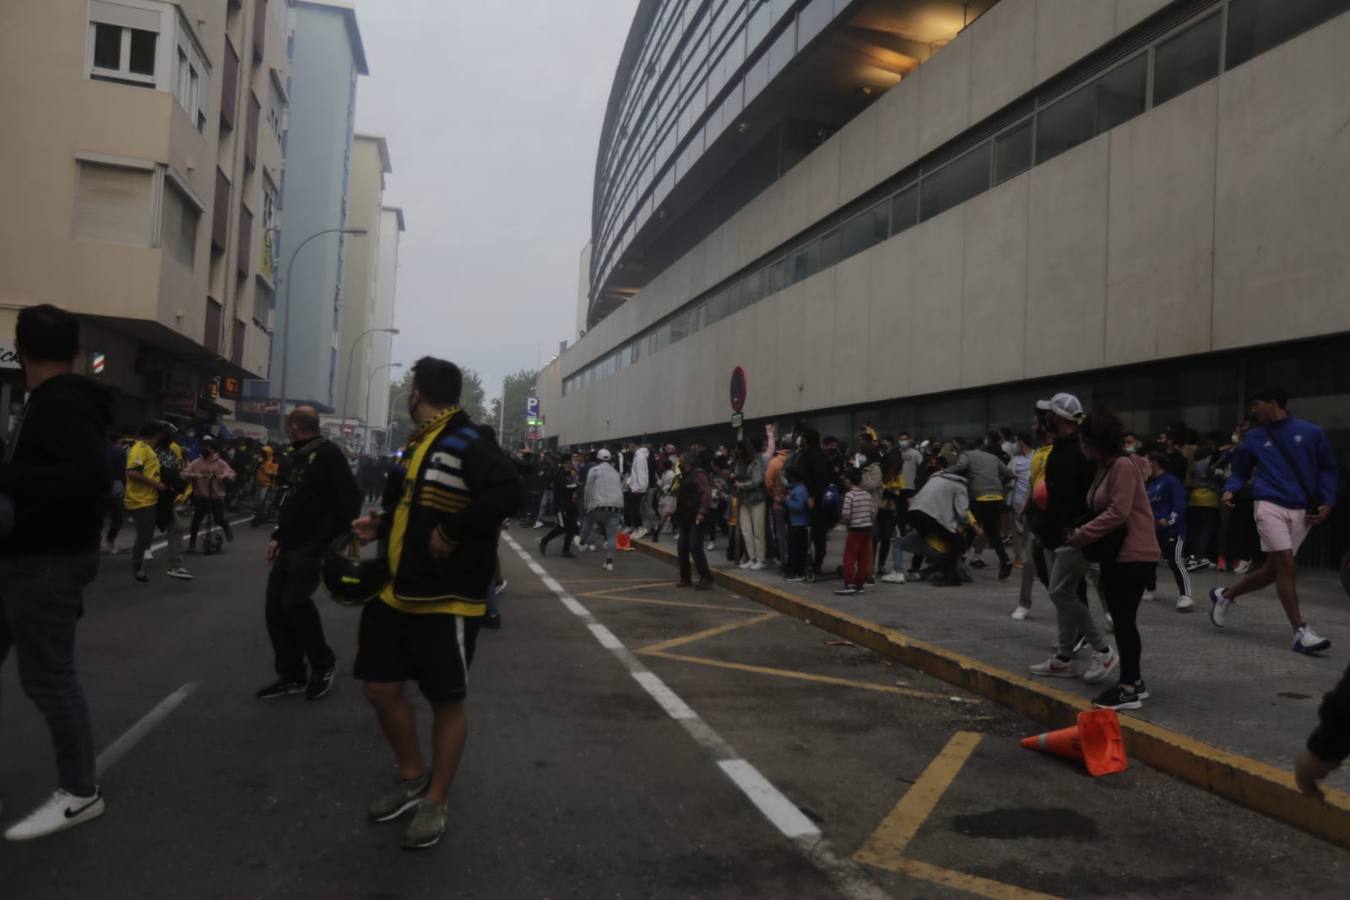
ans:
(141, 190)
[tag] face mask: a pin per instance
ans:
(904, 445)
(1236, 438)
(1131, 448)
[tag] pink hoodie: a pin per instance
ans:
(1121, 498)
(212, 488)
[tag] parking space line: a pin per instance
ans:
(707, 633)
(971, 884)
(680, 603)
(892, 836)
(636, 586)
(805, 676)
(136, 733)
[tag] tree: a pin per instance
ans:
(400, 423)
(515, 389)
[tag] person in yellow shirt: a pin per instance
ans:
(1031, 502)
(142, 500)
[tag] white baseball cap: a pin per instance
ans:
(1066, 406)
(603, 455)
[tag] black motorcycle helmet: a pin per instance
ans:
(349, 579)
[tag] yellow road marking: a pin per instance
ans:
(798, 676)
(971, 884)
(647, 581)
(640, 584)
(887, 844)
(710, 632)
(606, 595)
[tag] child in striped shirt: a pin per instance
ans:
(858, 516)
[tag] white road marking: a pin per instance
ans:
(781, 812)
(776, 808)
(136, 733)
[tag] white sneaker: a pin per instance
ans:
(149, 554)
(744, 564)
(894, 578)
(1054, 667)
(757, 566)
(539, 523)
(609, 565)
(1102, 665)
(61, 811)
(709, 546)
(639, 534)
(1219, 604)
(179, 573)
(1308, 641)
(1020, 614)
(1243, 567)
(1185, 604)
(1149, 595)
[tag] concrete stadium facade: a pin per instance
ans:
(1144, 201)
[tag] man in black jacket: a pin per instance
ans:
(322, 498)
(818, 472)
(442, 513)
(56, 475)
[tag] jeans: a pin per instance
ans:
(144, 521)
(691, 544)
(1123, 586)
(41, 599)
(1067, 571)
(203, 508)
(293, 622)
(607, 518)
(752, 530)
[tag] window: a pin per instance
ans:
(113, 203)
(123, 54)
(805, 261)
(753, 287)
(864, 230)
(1254, 26)
(1098, 106)
(783, 49)
(778, 276)
(1189, 59)
(178, 226)
(1012, 153)
(905, 209)
(188, 86)
(829, 248)
(954, 183)
(813, 19)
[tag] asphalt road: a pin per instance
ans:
(579, 781)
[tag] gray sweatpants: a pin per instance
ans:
(1067, 567)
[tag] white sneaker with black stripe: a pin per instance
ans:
(1308, 641)
(61, 811)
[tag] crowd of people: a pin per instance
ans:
(1076, 502)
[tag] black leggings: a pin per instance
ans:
(1123, 586)
(216, 510)
(989, 513)
(568, 530)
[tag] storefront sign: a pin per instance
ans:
(9, 357)
(260, 407)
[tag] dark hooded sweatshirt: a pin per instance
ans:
(56, 471)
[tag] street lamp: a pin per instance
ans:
(347, 388)
(365, 423)
(286, 313)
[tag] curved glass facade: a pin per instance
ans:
(700, 63)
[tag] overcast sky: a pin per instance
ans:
(493, 113)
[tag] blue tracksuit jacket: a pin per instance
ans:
(1307, 447)
(1167, 496)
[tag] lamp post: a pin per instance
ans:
(286, 312)
(365, 423)
(347, 387)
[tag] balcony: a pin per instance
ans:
(259, 29)
(244, 256)
(251, 131)
(229, 87)
(220, 213)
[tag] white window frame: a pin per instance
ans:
(144, 15)
(191, 97)
(122, 73)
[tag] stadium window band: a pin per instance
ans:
(1240, 34)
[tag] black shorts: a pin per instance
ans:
(433, 649)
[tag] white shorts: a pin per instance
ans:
(1280, 528)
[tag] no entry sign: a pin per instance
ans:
(737, 389)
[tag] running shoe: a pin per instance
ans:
(1308, 641)
(282, 687)
(893, 578)
(745, 564)
(796, 578)
(609, 565)
(427, 826)
(1103, 663)
(1118, 697)
(1219, 604)
(978, 564)
(1020, 614)
(1243, 567)
(845, 591)
(1004, 570)
(1185, 604)
(757, 566)
(1149, 595)
(320, 683)
(390, 806)
(180, 573)
(61, 811)
(141, 577)
(1054, 667)
(1141, 689)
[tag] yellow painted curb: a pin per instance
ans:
(1248, 782)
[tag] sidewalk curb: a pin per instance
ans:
(1245, 781)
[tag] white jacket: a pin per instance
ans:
(639, 478)
(603, 487)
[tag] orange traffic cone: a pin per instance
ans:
(1095, 740)
(622, 541)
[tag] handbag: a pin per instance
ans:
(1106, 548)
